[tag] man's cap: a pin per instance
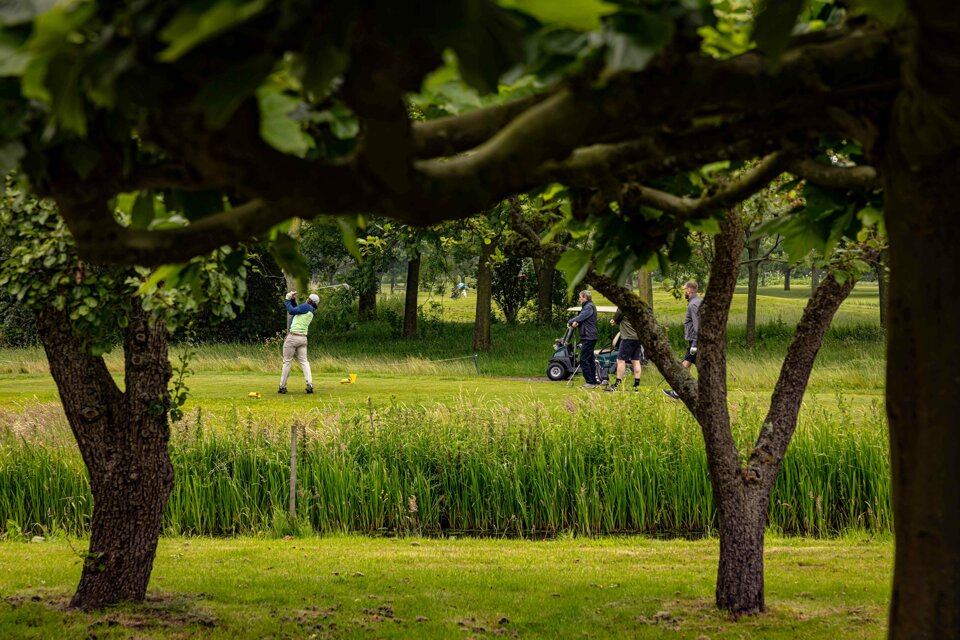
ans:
(314, 298)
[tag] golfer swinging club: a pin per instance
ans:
(296, 340)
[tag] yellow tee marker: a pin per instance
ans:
(350, 380)
(253, 394)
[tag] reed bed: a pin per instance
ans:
(476, 467)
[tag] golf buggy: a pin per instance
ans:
(566, 355)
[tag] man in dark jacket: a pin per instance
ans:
(586, 320)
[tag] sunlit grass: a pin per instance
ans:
(412, 587)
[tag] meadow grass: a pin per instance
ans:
(348, 587)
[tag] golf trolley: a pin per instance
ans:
(565, 362)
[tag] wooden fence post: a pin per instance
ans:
(293, 471)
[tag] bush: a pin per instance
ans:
(263, 314)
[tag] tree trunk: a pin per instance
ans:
(881, 269)
(410, 301)
(814, 279)
(546, 272)
(393, 282)
(367, 302)
(481, 326)
(922, 200)
(743, 519)
(645, 286)
(753, 268)
(123, 441)
(786, 277)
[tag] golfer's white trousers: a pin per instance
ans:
(295, 346)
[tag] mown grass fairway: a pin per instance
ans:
(410, 587)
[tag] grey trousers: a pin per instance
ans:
(295, 346)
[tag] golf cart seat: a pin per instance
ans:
(608, 348)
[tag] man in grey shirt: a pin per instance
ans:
(691, 328)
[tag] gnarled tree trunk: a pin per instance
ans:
(123, 438)
(410, 298)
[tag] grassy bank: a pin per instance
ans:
(401, 588)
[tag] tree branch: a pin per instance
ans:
(781, 420)
(832, 176)
(712, 412)
(739, 189)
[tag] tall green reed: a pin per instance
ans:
(527, 468)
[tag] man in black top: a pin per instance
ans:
(630, 350)
(586, 320)
(691, 328)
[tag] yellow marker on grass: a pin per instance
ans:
(350, 380)
(253, 394)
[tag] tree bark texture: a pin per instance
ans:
(923, 392)
(814, 279)
(645, 286)
(481, 326)
(410, 298)
(367, 303)
(753, 269)
(123, 438)
(546, 272)
(786, 277)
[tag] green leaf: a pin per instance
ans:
(487, 45)
(167, 274)
(10, 155)
(575, 14)
(223, 93)
(840, 276)
(634, 37)
(286, 251)
(142, 212)
(574, 263)
(870, 216)
(349, 232)
(13, 59)
(343, 123)
(64, 86)
(277, 128)
(322, 61)
(705, 225)
(190, 28)
(774, 25)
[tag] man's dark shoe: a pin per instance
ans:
(309, 388)
(671, 394)
(614, 387)
(282, 390)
